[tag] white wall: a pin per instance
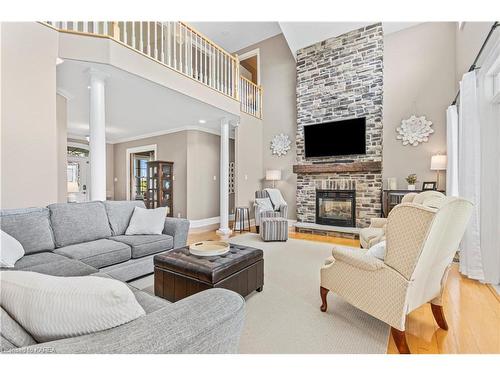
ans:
(29, 142)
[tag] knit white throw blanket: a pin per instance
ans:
(276, 198)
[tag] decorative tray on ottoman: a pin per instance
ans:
(209, 248)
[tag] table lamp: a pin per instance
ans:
(273, 175)
(438, 163)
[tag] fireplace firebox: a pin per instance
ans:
(336, 207)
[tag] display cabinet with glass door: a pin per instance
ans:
(160, 185)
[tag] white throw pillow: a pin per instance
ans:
(264, 204)
(377, 250)
(52, 307)
(11, 250)
(146, 221)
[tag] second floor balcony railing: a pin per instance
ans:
(182, 48)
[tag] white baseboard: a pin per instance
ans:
(200, 223)
(211, 221)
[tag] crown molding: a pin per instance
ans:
(165, 132)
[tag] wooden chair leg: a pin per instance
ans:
(400, 340)
(438, 313)
(323, 292)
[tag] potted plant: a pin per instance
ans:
(411, 179)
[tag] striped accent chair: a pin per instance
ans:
(274, 227)
(282, 210)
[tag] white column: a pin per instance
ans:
(224, 230)
(97, 141)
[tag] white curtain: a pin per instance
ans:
(489, 118)
(452, 151)
(469, 175)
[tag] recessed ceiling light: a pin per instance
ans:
(202, 121)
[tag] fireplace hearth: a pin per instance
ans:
(336, 207)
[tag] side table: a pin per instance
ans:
(239, 217)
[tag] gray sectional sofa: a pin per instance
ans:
(75, 239)
(78, 239)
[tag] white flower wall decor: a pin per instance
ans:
(280, 144)
(414, 130)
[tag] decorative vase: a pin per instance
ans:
(411, 187)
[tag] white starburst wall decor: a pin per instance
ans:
(414, 130)
(280, 144)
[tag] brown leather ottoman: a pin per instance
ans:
(179, 274)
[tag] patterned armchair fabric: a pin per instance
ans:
(282, 211)
(421, 242)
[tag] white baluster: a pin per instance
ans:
(85, 27)
(190, 53)
(64, 25)
(95, 27)
(175, 45)
(179, 49)
(133, 35)
(149, 37)
(186, 62)
(225, 75)
(141, 37)
(204, 47)
(195, 56)
(156, 39)
(168, 45)
(125, 36)
(162, 44)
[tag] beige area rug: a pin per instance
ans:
(285, 317)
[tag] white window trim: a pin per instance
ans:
(252, 53)
(134, 150)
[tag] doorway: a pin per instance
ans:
(78, 172)
(250, 66)
(137, 159)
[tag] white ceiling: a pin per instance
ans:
(135, 107)
(302, 34)
(233, 36)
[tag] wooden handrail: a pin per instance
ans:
(207, 39)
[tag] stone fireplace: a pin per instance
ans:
(337, 79)
(336, 207)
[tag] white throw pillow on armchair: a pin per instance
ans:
(264, 204)
(377, 250)
(146, 221)
(11, 250)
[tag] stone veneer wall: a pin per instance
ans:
(337, 79)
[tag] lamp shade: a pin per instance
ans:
(273, 175)
(438, 162)
(73, 187)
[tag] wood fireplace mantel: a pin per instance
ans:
(362, 166)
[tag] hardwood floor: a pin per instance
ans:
(472, 310)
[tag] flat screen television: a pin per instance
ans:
(336, 138)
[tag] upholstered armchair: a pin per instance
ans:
(375, 233)
(281, 211)
(421, 240)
